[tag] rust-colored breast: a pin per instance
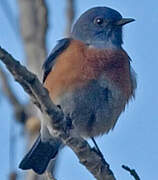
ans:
(65, 74)
(79, 64)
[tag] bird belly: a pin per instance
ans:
(93, 109)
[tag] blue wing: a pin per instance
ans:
(50, 61)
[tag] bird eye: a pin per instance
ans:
(98, 20)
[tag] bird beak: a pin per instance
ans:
(124, 21)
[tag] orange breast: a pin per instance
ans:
(79, 64)
(65, 75)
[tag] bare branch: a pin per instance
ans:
(19, 109)
(132, 172)
(70, 12)
(87, 155)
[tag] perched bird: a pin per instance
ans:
(90, 77)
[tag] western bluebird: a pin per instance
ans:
(90, 77)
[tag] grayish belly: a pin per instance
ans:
(94, 110)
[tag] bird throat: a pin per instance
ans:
(104, 45)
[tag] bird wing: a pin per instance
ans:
(50, 60)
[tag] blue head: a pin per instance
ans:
(100, 27)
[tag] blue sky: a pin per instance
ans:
(133, 142)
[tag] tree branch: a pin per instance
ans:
(87, 155)
(132, 172)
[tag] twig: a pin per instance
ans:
(87, 155)
(132, 172)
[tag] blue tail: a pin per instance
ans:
(39, 156)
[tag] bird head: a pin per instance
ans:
(100, 27)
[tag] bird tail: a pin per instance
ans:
(39, 155)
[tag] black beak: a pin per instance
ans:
(124, 21)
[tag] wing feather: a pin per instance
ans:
(50, 60)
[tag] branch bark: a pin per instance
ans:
(87, 155)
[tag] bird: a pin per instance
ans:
(89, 76)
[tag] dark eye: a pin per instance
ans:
(98, 20)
